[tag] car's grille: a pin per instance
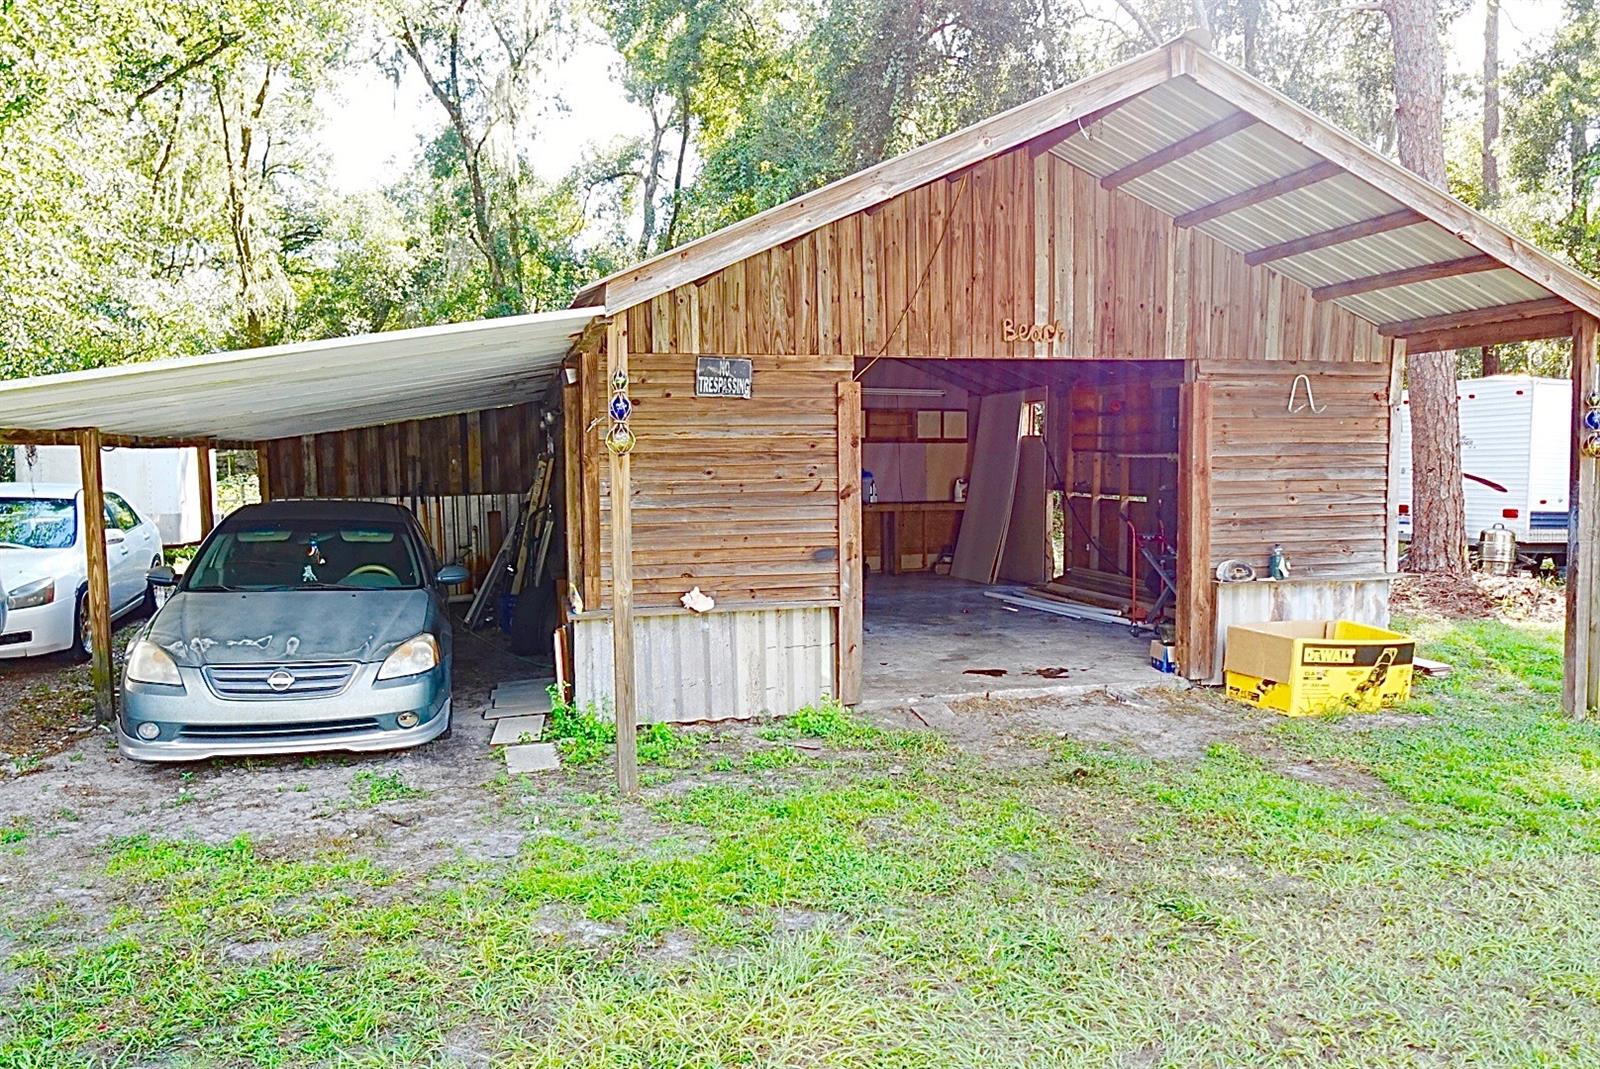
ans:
(278, 731)
(255, 682)
(16, 638)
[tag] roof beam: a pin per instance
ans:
(1208, 135)
(1317, 172)
(1051, 138)
(1405, 276)
(1502, 333)
(1364, 228)
(1476, 317)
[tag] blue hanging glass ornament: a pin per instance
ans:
(621, 407)
(1591, 419)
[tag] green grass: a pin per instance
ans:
(1417, 890)
(372, 788)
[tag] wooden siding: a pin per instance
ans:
(1314, 482)
(492, 451)
(936, 271)
(737, 497)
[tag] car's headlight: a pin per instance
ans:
(149, 663)
(32, 595)
(412, 657)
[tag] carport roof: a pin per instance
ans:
(282, 391)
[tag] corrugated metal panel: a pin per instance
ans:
(714, 666)
(308, 387)
(1258, 155)
(1362, 599)
(1484, 289)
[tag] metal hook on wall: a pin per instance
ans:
(1311, 398)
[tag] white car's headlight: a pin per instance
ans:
(149, 663)
(32, 595)
(412, 657)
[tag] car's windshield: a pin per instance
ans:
(37, 523)
(306, 555)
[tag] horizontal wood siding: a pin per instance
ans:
(936, 271)
(492, 451)
(737, 497)
(1315, 482)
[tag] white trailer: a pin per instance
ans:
(162, 484)
(1516, 441)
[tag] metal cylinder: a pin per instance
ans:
(1497, 550)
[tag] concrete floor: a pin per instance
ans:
(925, 634)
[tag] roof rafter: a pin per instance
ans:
(1405, 276)
(1477, 317)
(1050, 139)
(1501, 333)
(1317, 172)
(1184, 146)
(1363, 228)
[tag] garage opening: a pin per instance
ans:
(1020, 522)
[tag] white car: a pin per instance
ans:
(44, 567)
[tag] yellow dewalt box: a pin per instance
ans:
(1305, 667)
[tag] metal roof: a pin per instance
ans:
(282, 391)
(1259, 154)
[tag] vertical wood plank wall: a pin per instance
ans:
(935, 272)
(463, 475)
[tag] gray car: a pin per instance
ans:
(300, 626)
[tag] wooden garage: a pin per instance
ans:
(1202, 293)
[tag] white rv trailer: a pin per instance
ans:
(162, 484)
(1516, 442)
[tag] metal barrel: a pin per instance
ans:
(1497, 550)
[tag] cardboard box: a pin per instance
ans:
(1306, 667)
(1163, 656)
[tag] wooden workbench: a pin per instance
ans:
(934, 527)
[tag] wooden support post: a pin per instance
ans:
(851, 592)
(264, 472)
(99, 594)
(1580, 688)
(622, 578)
(208, 506)
(1196, 602)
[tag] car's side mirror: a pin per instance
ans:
(452, 575)
(162, 575)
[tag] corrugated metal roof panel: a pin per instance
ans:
(1409, 247)
(307, 387)
(1311, 209)
(1484, 289)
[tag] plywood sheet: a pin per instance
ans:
(1025, 557)
(994, 482)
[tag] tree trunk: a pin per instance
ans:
(1438, 504)
(1491, 104)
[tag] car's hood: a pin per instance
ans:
(19, 567)
(289, 626)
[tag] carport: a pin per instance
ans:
(456, 402)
